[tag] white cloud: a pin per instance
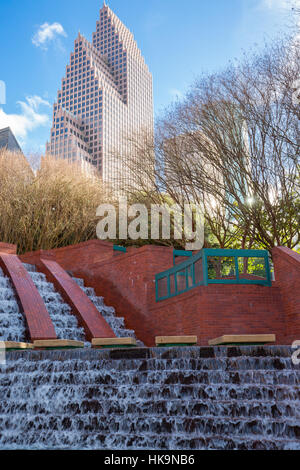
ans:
(47, 33)
(29, 119)
(280, 4)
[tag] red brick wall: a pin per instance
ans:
(126, 281)
(87, 252)
(216, 310)
(8, 248)
(287, 273)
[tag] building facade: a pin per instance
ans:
(8, 140)
(106, 97)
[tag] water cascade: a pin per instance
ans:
(12, 324)
(117, 324)
(168, 398)
(141, 398)
(65, 324)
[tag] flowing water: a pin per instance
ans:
(168, 398)
(12, 324)
(117, 324)
(66, 324)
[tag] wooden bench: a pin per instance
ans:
(167, 341)
(14, 346)
(100, 343)
(58, 344)
(237, 340)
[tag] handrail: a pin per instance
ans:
(120, 249)
(208, 266)
(180, 254)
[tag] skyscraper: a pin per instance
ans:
(8, 140)
(105, 98)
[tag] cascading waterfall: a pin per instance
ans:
(168, 398)
(143, 398)
(65, 324)
(117, 324)
(12, 324)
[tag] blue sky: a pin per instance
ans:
(179, 39)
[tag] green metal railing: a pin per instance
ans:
(120, 249)
(211, 266)
(181, 254)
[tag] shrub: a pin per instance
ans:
(51, 208)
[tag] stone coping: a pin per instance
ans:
(243, 339)
(176, 340)
(57, 344)
(14, 345)
(113, 342)
(168, 353)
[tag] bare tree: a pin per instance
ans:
(233, 144)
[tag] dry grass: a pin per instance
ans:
(53, 208)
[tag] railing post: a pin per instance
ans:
(267, 266)
(193, 274)
(237, 274)
(205, 268)
(186, 278)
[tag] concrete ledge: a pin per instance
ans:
(113, 343)
(228, 340)
(14, 346)
(58, 344)
(176, 340)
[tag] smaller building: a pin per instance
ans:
(8, 140)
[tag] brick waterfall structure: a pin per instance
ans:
(175, 399)
(126, 282)
(158, 398)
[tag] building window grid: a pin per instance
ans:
(119, 74)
